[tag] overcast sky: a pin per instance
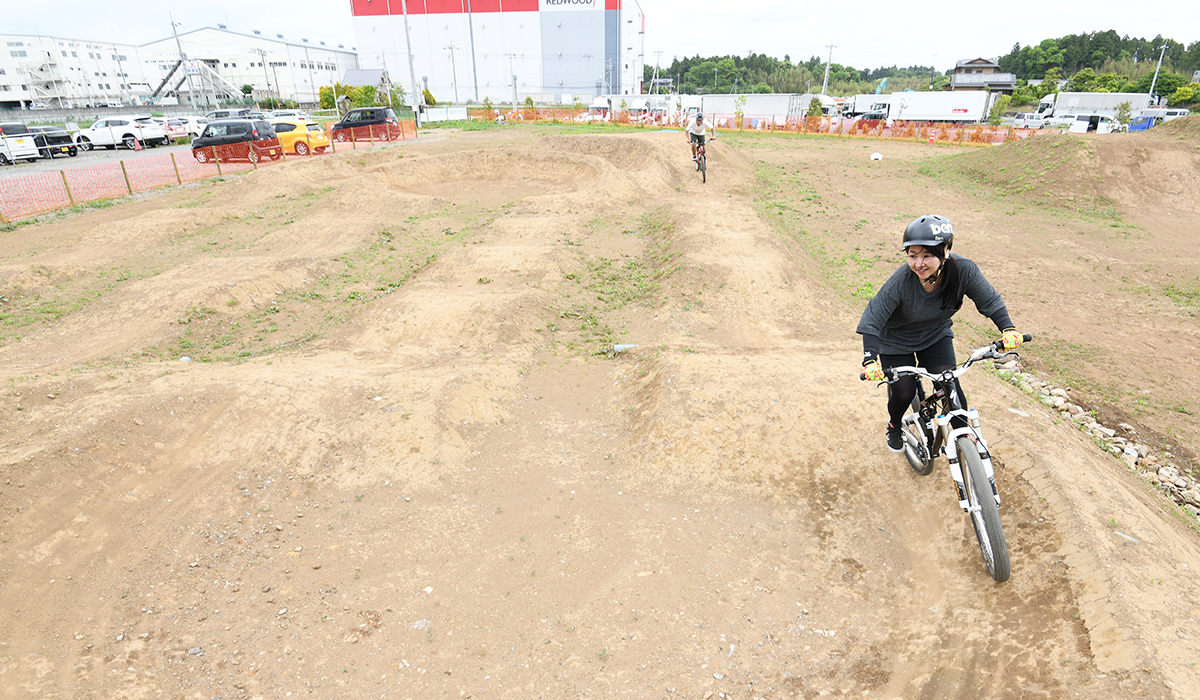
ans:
(890, 34)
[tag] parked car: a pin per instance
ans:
(1144, 122)
(127, 131)
(227, 113)
(236, 139)
(1028, 120)
(300, 136)
(365, 124)
(1094, 124)
(175, 128)
(291, 114)
(54, 140)
(17, 143)
(1059, 121)
(195, 125)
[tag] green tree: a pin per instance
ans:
(998, 108)
(814, 108)
(487, 104)
(327, 97)
(1083, 81)
(1184, 94)
(528, 102)
(1124, 114)
(247, 89)
(429, 97)
(364, 96)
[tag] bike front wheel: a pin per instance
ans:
(985, 516)
(703, 168)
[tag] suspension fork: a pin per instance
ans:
(975, 433)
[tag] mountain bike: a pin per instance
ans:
(939, 425)
(702, 161)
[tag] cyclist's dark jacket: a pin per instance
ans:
(902, 317)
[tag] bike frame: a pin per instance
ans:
(937, 414)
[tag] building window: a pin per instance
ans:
(16, 43)
(64, 53)
(74, 55)
(16, 54)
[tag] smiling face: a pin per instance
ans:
(923, 262)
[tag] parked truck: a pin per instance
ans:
(958, 106)
(862, 104)
(1092, 103)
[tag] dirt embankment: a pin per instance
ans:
(395, 465)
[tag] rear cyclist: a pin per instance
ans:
(909, 318)
(696, 130)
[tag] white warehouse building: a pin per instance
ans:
(469, 50)
(221, 61)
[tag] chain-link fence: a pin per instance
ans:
(29, 195)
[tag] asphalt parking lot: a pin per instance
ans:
(86, 158)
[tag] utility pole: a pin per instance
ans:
(592, 86)
(514, 78)
(312, 84)
(262, 56)
(453, 71)
(825, 84)
(418, 98)
(1160, 58)
(183, 62)
(120, 73)
(474, 69)
(654, 78)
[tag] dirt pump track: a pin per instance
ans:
(425, 482)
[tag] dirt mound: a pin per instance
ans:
(407, 459)
(1187, 127)
(1103, 176)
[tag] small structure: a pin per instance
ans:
(358, 77)
(981, 74)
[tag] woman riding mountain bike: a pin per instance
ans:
(696, 130)
(908, 321)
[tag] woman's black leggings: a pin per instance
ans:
(935, 358)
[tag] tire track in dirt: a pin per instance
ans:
(443, 496)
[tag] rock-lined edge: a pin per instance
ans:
(1120, 442)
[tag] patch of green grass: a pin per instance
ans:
(1183, 295)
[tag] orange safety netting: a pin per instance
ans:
(38, 193)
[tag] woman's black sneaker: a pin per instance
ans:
(895, 441)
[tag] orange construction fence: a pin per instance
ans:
(29, 195)
(966, 134)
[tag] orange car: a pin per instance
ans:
(300, 136)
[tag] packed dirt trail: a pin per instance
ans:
(429, 474)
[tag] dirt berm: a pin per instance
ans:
(354, 427)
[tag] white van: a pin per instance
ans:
(1166, 113)
(1094, 124)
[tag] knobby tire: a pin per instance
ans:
(985, 520)
(703, 168)
(917, 443)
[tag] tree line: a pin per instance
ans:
(1089, 62)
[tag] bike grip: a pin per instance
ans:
(1027, 337)
(862, 376)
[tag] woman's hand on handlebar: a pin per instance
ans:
(872, 371)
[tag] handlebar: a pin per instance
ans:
(987, 352)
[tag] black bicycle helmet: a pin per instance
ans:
(930, 231)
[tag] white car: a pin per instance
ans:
(1060, 120)
(194, 125)
(1028, 120)
(1095, 124)
(127, 131)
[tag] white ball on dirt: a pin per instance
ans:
(876, 156)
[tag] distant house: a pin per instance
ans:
(359, 77)
(981, 74)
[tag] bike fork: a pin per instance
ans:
(975, 433)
